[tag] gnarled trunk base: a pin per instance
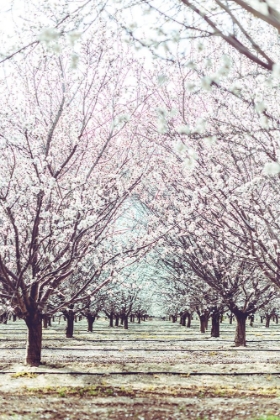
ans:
(125, 322)
(240, 332)
(34, 339)
(215, 329)
(90, 321)
(203, 323)
(70, 325)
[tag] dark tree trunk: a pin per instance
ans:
(125, 322)
(90, 321)
(276, 319)
(111, 318)
(4, 318)
(206, 323)
(14, 318)
(267, 320)
(139, 319)
(34, 339)
(252, 318)
(240, 332)
(70, 324)
(117, 321)
(122, 320)
(203, 322)
(230, 318)
(189, 320)
(49, 321)
(215, 329)
(183, 320)
(45, 321)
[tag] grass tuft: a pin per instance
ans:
(24, 375)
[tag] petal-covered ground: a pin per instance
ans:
(155, 370)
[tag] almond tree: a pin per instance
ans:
(244, 25)
(241, 24)
(69, 163)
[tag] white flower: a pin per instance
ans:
(180, 147)
(260, 107)
(183, 129)
(206, 82)
(271, 168)
(210, 141)
(48, 34)
(73, 37)
(264, 122)
(162, 78)
(276, 71)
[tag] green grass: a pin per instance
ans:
(268, 417)
(24, 375)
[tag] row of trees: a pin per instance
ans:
(72, 157)
(217, 209)
(91, 132)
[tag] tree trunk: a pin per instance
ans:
(4, 318)
(183, 320)
(90, 321)
(117, 321)
(111, 318)
(139, 319)
(252, 318)
(240, 332)
(34, 339)
(267, 320)
(189, 320)
(125, 322)
(45, 321)
(70, 324)
(215, 329)
(276, 319)
(203, 322)
(206, 322)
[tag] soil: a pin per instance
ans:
(155, 370)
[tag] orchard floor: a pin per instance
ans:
(155, 370)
